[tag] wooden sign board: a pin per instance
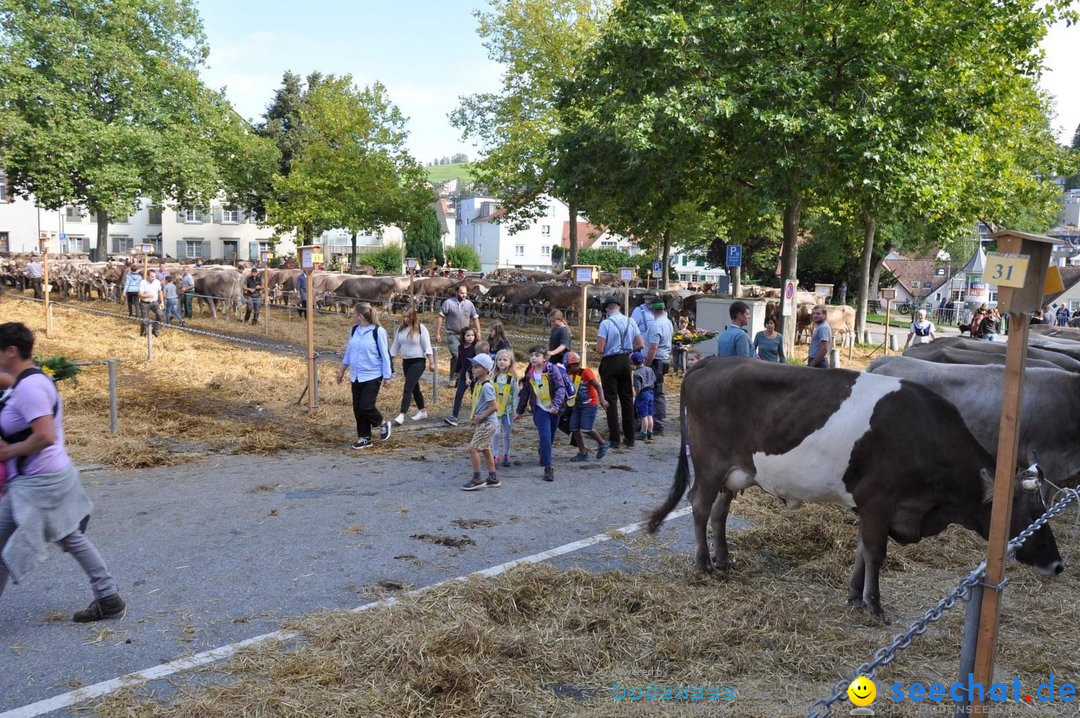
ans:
(888, 294)
(626, 274)
(823, 290)
(411, 263)
(143, 249)
(585, 273)
(1006, 270)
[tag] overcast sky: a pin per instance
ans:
(428, 56)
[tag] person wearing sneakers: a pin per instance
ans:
(413, 344)
(506, 392)
(43, 501)
(485, 419)
(367, 360)
(542, 390)
(644, 381)
(588, 395)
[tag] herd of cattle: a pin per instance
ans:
(910, 444)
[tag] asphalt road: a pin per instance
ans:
(212, 553)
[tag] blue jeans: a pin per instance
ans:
(583, 417)
(546, 424)
(172, 309)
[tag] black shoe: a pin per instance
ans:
(549, 473)
(493, 482)
(474, 484)
(384, 431)
(362, 443)
(109, 607)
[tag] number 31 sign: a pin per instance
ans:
(1006, 270)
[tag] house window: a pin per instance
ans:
(122, 245)
(519, 250)
(155, 215)
(700, 263)
(191, 215)
(3, 189)
(5, 245)
(155, 242)
(684, 277)
(192, 248)
(545, 250)
(230, 215)
(76, 245)
(72, 214)
(545, 230)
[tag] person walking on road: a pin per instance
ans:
(458, 313)
(821, 340)
(367, 360)
(506, 395)
(735, 341)
(588, 396)
(413, 344)
(616, 338)
(543, 392)
(658, 357)
(560, 340)
(467, 349)
(485, 421)
(43, 500)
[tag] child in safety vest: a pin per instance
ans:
(484, 408)
(542, 389)
(506, 390)
(588, 395)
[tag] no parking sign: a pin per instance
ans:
(788, 307)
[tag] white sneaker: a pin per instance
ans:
(419, 415)
(399, 419)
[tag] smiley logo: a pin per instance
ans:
(862, 691)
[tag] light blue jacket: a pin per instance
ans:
(365, 360)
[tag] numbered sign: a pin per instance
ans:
(1006, 270)
(626, 274)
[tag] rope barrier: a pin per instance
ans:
(884, 656)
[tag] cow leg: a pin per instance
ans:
(702, 497)
(855, 588)
(873, 540)
(718, 519)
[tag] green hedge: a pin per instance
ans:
(463, 257)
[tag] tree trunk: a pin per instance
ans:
(789, 262)
(102, 234)
(665, 260)
(352, 257)
(869, 232)
(573, 249)
(875, 273)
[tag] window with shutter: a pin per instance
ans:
(204, 250)
(5, 243)
(155, 215)
(217, 215)
(253, 251)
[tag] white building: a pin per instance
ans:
(338, 242)
(691, 268)
(498, 246)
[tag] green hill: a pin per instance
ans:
(443, 173)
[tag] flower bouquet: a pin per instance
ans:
(692, 336)
(59, 368)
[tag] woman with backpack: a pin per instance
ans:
(543, 390)
(367, 360)
(43, 501)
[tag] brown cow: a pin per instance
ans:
(833, 439)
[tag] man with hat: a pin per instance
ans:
(658, 357)
(616, 338)
(642, 314)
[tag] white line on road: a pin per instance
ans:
(165, 670)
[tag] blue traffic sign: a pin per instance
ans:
(734, 255)
(657, 270)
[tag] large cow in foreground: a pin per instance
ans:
(829, 436)
(1049, 414)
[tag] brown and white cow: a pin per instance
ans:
(829, 436)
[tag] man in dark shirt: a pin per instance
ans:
(253, 296)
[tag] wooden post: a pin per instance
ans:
(266, 300)
(1001, 511)
(888, 306)
(313, 402)
(114, 423)
(584, 312)
(45, 293)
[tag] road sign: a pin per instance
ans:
(1006, 270)
(734, 255)
(657, 270)
(788, 307)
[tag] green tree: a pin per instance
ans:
(539, 43)
(463, 257)
(424, 240)
(350, 169)
(101, 104)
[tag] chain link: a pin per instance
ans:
(884, 656)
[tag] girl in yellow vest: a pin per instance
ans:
(506, 391)
(543, 392)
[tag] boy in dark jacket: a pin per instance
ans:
(542, 390)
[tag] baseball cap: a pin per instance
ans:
(658, 305)
(637, 358)
(483, 360)
(571, 358)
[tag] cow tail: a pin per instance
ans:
(682, 474)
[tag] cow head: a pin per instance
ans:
(1040, 550)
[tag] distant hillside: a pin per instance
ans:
(443, 173)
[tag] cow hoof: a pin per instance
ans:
(724, 565)
(703, 566)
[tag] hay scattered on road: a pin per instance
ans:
(539, 641)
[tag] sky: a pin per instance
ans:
(428, 54)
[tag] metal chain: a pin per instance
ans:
(884, 656)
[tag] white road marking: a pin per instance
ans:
(814, 470)
(214, 655)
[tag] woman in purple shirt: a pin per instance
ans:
(43, 500)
